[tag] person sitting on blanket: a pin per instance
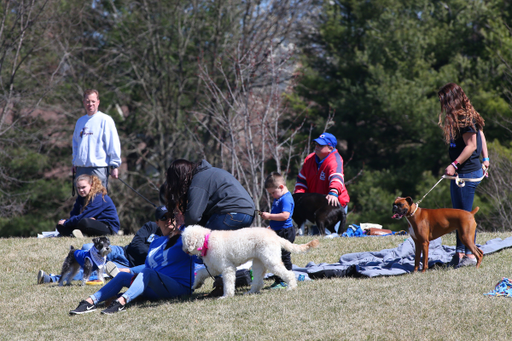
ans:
(168, 273)
(129, 256)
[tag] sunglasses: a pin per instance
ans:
(164, 218)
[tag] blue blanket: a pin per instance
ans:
(391, 262)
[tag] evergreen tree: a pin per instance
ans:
(378, 66)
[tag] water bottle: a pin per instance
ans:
(301, 278)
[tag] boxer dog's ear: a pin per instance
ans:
(409, 201)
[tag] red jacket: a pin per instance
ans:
(328, 178)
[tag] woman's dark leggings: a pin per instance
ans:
(88, 226)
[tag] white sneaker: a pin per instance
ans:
(77, 234)
(111, 269)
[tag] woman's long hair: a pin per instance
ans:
(179, 177)
(96, 187)
(459, 112)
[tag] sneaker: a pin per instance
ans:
(110, 300)
(455, 260)
(42, 277)
(278, 285)
(114, 307)
(466, 261)
(111, 269)
(84, 307)
(77, 233)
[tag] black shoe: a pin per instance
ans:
(455, 260)
(84, 307)
(114, 307)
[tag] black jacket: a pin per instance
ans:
(137, 250)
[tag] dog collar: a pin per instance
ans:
(417, 206)
(204, 248)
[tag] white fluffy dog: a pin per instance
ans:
(223, 251)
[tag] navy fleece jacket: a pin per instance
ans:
(99, 209)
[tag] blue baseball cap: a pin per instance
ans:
(160, 212)
(326, 139)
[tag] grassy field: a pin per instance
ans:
(442, 304)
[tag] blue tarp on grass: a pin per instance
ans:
(392, 262)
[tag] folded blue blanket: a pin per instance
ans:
(391, 262)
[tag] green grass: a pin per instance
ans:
(442, 304)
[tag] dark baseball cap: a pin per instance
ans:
(327, 139)
(160, 212)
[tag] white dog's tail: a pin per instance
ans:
(298, 248)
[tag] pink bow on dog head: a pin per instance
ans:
(204, 248)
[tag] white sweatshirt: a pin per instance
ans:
(95, 142)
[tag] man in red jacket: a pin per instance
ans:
(322, 172)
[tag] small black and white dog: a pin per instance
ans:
(90, 260)
(315, 208)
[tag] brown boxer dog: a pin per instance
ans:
(428, 224)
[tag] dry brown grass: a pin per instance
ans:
(442, 304)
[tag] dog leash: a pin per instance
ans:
(208, 272)
(458, 181)
(143, 197)
(462, 182)
(73, 183)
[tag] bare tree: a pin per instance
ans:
(246, 118)
(27, 74)
(498, 189)
(142, 55)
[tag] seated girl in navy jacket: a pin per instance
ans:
(94, 213)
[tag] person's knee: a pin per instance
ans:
(82, 224)
(148, 272)
(87, 246)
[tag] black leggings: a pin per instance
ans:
(88, 226)
(288, 234)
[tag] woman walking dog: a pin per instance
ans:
(462, 127)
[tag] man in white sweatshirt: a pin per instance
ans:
(96, 146)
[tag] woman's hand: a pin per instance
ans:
(450, 170)
(62, 221)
